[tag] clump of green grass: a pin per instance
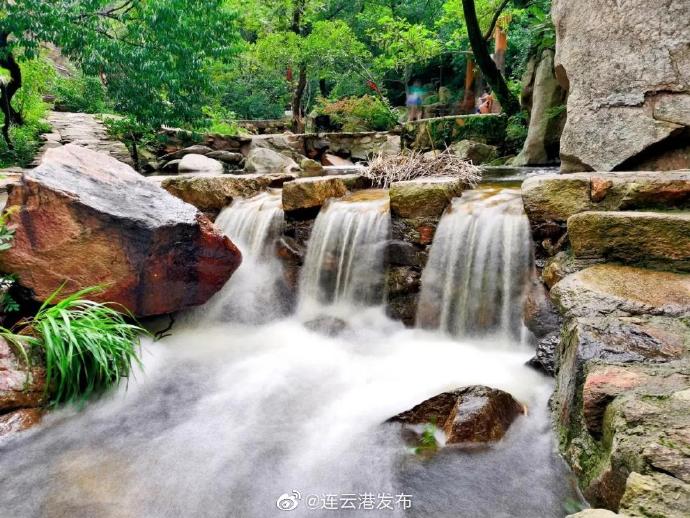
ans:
(89, 346)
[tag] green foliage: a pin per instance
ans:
(89, 347)
(220, 121)
(7, 302)
(427, 442)
(250, 89)
(38, 75)
(403, 45)
(155, 54)
(82, 94)
(367, 113)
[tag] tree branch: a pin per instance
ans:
(489, 34)
(483, 59)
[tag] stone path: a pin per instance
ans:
(84, 130)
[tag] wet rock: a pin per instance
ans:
(648, 238)
(308, 193)
(544, 359)
(476, 152)
(22, 385)
(266, 161)
(419, 231)
(291, 253)
(423, 197)
(403, 280)
(538, 312)
(551, 199)
(472, 415)
(329, 326)
(403, 308)
(655, 495)
(88, 219)
(18, 421)
(199, 164)
(602, 384)
(401, 253)
(561, 265)
(606, 289)
(215, 192)
(606, 110)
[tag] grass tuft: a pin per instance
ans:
(89, 346)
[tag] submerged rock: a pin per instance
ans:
(85, 219)
(329, 326)
(471, 415)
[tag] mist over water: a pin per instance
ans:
(235, 409)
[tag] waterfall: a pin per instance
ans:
(344, 261)
(478, 266)
(253, 294)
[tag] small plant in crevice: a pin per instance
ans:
(426, 444)
(89, 346)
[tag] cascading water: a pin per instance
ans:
(344, 261)
(478, 267)
(226, 418)
(253, 295)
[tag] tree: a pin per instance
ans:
(152, 54)
(483, 58)
(403, 45)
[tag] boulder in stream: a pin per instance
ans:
(470, 415)
(84, 219)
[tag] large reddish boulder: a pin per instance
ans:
(85, 219)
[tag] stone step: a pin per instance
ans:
(551, 199)
(656, 239)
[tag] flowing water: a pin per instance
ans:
(344, 262)
(230, 414)
(253, 225)
(479, 265)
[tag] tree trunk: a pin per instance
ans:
(298, 94)
(483, 59)
(9, 89)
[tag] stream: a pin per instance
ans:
(245, 404)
